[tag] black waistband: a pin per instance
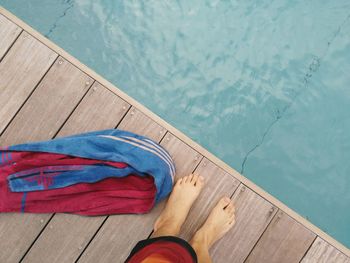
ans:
(141, 244)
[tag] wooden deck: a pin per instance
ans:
(46, 93)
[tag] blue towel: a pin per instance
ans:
(143, 156)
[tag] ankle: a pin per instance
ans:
(200, 239)
(166, 228)
(200, 246)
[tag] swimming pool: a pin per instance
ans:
(263, 85)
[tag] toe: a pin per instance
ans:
(194, 179)
(200, 181)
(224, 201)
(188, 178)
(185, 178)
(232, 221)
(233, 207)
(230, 206)
(230, 211)
(178, 182)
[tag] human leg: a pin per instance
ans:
(220, 220)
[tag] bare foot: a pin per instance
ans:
(185, 192)
(220, 220)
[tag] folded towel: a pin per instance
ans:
(101, 172)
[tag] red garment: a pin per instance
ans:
(167, 249)
(130, 194)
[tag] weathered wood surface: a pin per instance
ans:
(137, 122)
(21, 70)
(50, 104)
(66, 235)
(100, 109)
(284, 240)
(39, 119)
(9, 31)
(322, 252)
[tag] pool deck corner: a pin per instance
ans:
(47, 93)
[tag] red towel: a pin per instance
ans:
(108, 196)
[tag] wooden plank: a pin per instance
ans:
(50, 104)
(186, 158)
(20, 71)
(18, 232)
(66, 235)
(253, 214)
(217, 184)
(39, 119)
(9, 32)
(121, 232)
(285, 240)
(63, 238)
(323, 252)
(149, 128)
(100, 109)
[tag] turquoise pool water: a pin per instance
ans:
(264, 85)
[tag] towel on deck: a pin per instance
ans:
(95, 173)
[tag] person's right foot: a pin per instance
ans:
(220, 220)
(185, 192)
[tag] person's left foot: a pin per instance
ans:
(185, 192)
